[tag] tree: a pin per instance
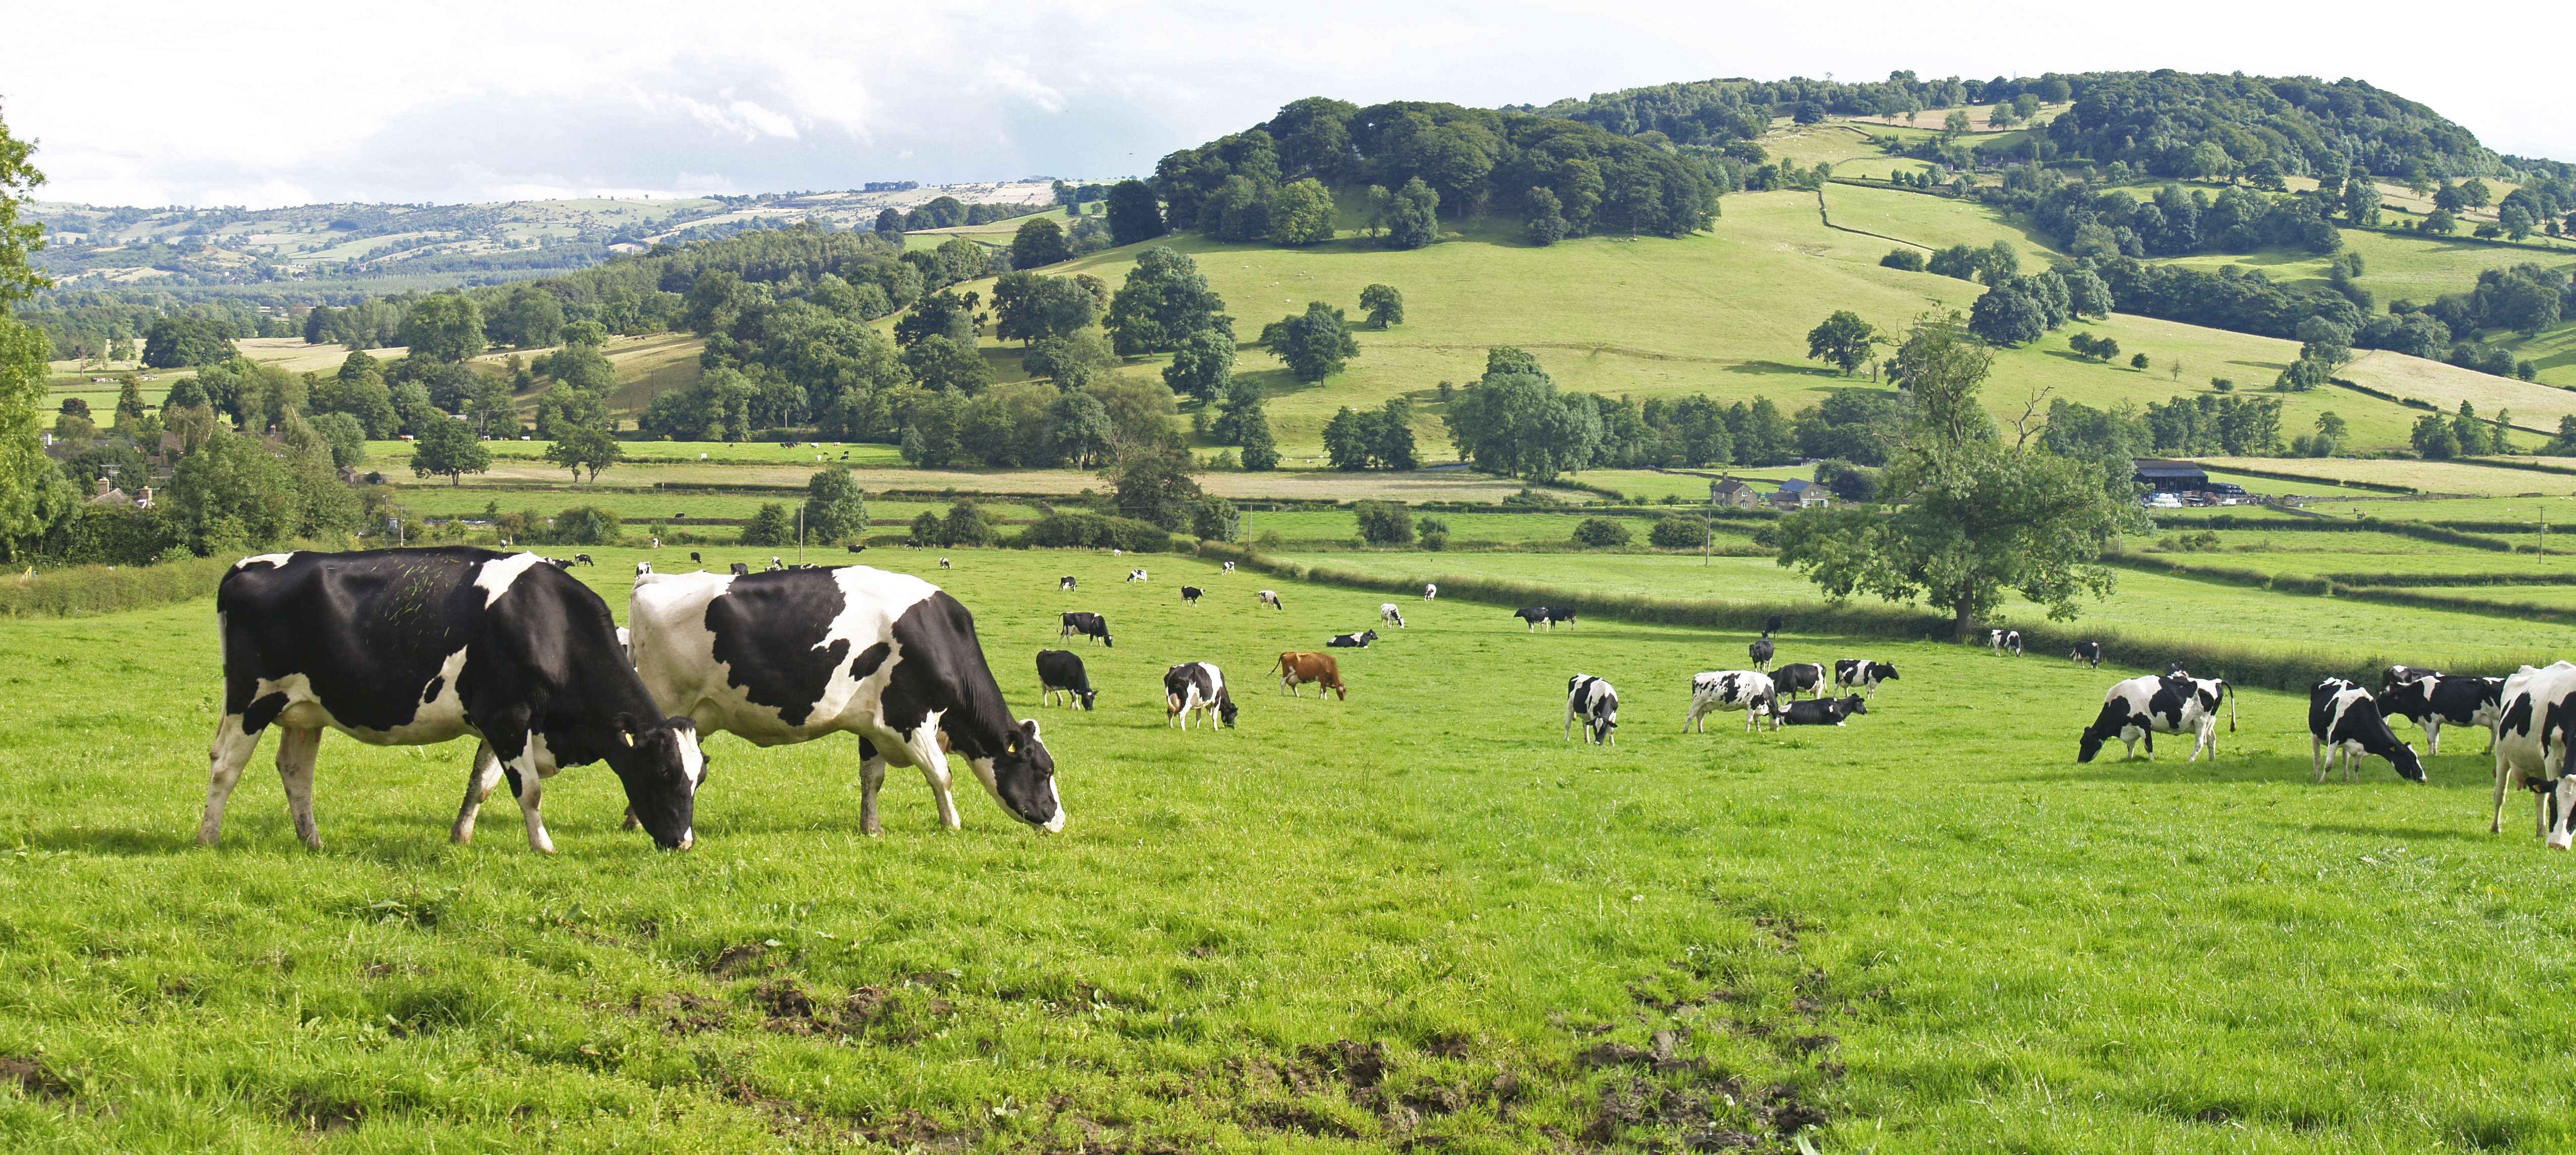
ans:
(1345, 445)
(1547, 224)
(1314, 344)
(1956, 124)
(1967, 512)
(1202, 366)
(1164, 299)
(1153, 484)
(1384, 305)
(769, 526)
(941, 363)
(1413, 216)
(1384, 522)
(1027, 306)
(1843, 340)
(1904, 260)
(1301, 213)
(890, 224)
(1600, 533)
(447, 448)
(178, 342)
(2432, 437)
(584, 448)
(1134, 214)
(2006, 317)
(1072, 362)
(444, 327)
(527, 315)
(965, 525)
(1039, 242)
(1678, 532)
(34, 495)
(2139, 361)
(835, 510)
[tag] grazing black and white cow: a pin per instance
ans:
(582, 559)
(1088, 625)
(1197, 689)
(410, 647)
(1861, 672)
(1557, 614)
(1717, 690)
(855, 548)
(2145, 706)
(2534, 731)
(2089, 653)
(1430, 590)
(1190, 595)
(2390, 677)
(1064, 584)
(740, 569)
(1771, 625)
(2005, 642)
(2434, 700)
(1537, 616)
(1061, 672)
(786, 657)
(1389, 615)
(1592, 701)
(1818, 712)
(693, 556)
(1270, 599)
(643, 567)
(1229, 567)
(1799, 678)
(1760, 651)
(1357, 641)
(559, 563)
(943, 564)
(1136, 575)
(2344, 719)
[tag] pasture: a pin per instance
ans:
(1418, 917)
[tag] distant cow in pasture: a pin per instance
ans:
(776, 563)
(1352, 641)
(1760, 651)
(2344, 719)
(1591, 700)
(858, 548)
(1269, 599)
(1190, 595)
(1818, 712)
(559, 563)
(2433, 700)
(943, 564)
(643, 567)
(2089, 653)
(1196, 689)
(1771, 625)
(1136, 575)
(1389, 615)
(1229, 567)
(1430, 590)
(1061, 672)
(2393, 675)
(741, 570)
(1298, 667)
(1557, 614)
(1717, 690)
(1537, 616)
(412, 647)
(582, 559)
(2145, 706)
(2004, 642)
(1861, 672)
(1799, 678)
(1088, 625)
(795, 655)
(693, 556)
(1064, 584)
(2534, 731)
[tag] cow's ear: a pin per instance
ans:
(629, 728)
(1029, 727)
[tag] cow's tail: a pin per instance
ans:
(2230, 691)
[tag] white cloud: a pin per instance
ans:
(302, 100)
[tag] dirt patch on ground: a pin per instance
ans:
(31, 1075)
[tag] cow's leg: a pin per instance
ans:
(2433, 734)
(231, 751)
(2317, 766)
(2496, 826)
(295, 751)
(935, 772)
(872, 767)
(503, 733)
(479, 781)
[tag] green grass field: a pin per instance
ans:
(1418, 917)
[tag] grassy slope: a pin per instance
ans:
(2067, 957)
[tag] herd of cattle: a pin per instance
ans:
(419, 646)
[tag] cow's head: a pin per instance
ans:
(2409, 767)
(1855, 704)
(661, 766)
(1225, 709)
(1088, 697)
(2557, 800)
(1021, 776)
(1886, 673)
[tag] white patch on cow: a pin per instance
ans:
(675, 653)
(275, 559)
(495, 578)
(2530, 750)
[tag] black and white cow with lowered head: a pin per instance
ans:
(1596, 705)
(2344, 719)
(1089, 625)
(1760, 651)
(1430, 590)
(2433, 700)
(1799, 678)
(409, 647)
(1716, 690)
(1387, 614)
(1061, 672)
(2534, 731)
(1136, 575)
(2089, 653)
(2146, 706)
(1861, 672)
(1270, 598)
(1197, 689)
(2005, 642)
(1190, 595)
(795, 655)
(1537, 616)
(1064, 584)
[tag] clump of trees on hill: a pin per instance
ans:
(1416, 160)
(1514, 421)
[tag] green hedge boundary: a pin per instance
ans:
(87, 590)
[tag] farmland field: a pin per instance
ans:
(1416, 916)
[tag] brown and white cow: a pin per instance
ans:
(1298, 667)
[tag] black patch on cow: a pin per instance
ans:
(430, 693)
(769, 630)
(868, 660)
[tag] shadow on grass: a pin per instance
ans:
(2363, 830)
(126, 842)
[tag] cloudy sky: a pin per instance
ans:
(291, 101)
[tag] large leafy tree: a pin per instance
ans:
(1842, 340)
(1153, 484)
(1039, 242)
(444, 327)
(1202, 366)
(1966, 513)
(33, 494)
(1314, 344)
(447, 448)
(1134, 214)
(1164, 299)
(835, 510)
(585, 448)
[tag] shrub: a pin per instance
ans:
(1600, 532)
(113, 589)
(769, 526)
(1385, 523)
(1909, 260)
(925, 528)
(587, 525)
(1678, 532)
(1435, 540)
(1095, 531)
(2138, 362)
